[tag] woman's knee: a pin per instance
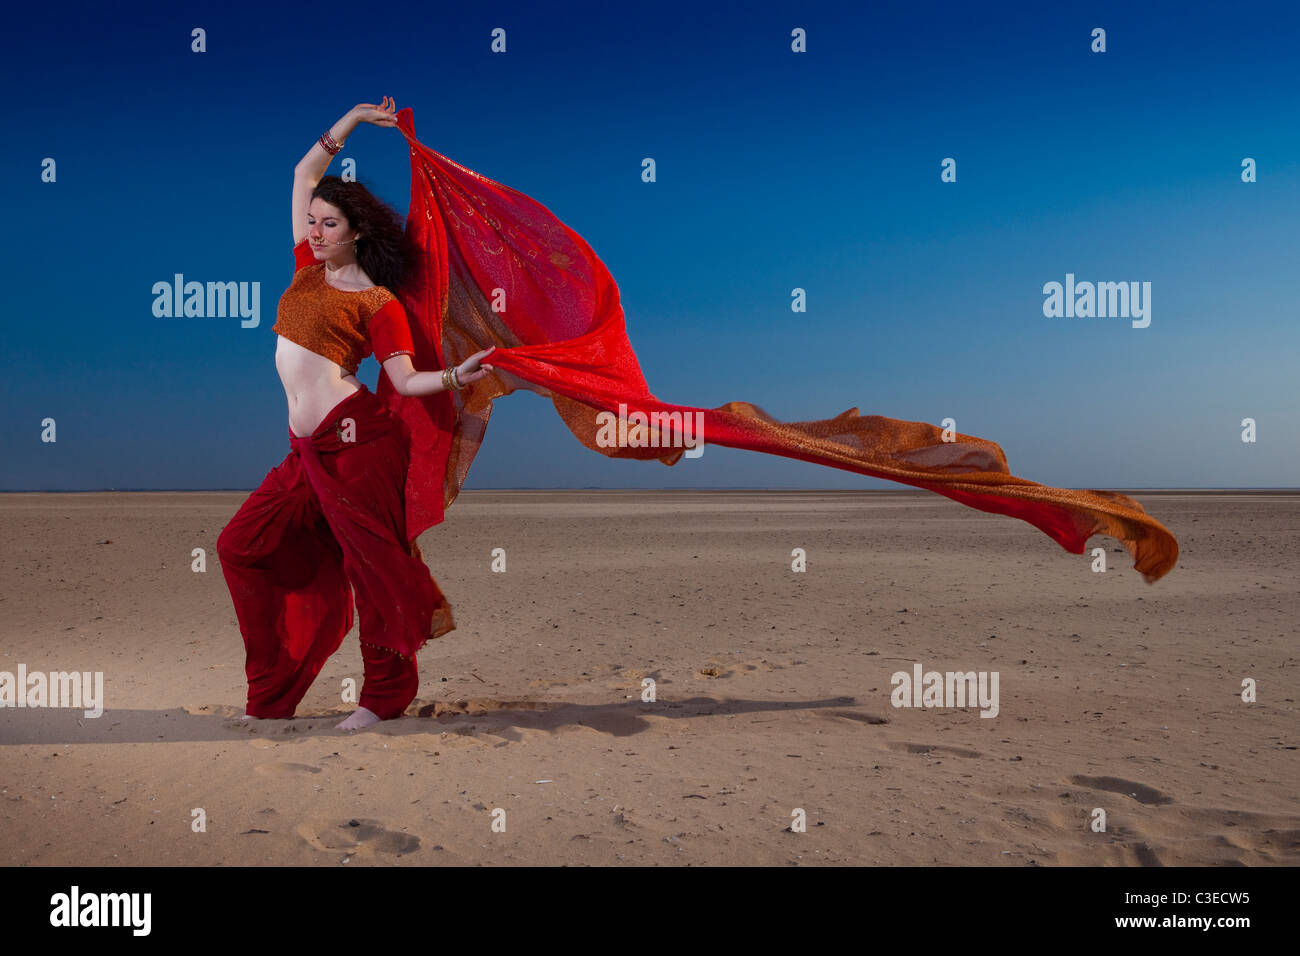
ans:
(274, 509)
(234, 546)
(250, 534)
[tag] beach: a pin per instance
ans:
(649, 681)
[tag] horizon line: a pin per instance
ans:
(96, 491)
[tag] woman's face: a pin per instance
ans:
(328, 231)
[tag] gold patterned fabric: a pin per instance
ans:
(329, 321)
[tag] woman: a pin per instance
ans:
(330, 518)
(494, 269)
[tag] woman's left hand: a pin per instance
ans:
(472, 369)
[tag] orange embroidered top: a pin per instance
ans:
(343, 326)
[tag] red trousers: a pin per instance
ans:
(326, 521)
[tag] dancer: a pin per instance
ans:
(496, 273)
(331, 517)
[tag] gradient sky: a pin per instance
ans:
(776, 170)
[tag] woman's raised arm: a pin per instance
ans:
(307, 174)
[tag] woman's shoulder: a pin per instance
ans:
(379, 294)
(380, 302)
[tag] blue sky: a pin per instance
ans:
(776, 170)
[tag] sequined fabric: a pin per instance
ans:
(562, 336)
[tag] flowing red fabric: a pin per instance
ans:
(498, 268)
(327, 521)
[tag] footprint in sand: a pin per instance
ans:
(854, 715)
(1139, 792)
(362, 837)
(225, 711)
(284, 769)
(715, 668)
(933, 749)
(1143, 854)
(478, 707)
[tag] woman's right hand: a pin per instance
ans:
(472, 369)
(382, 115)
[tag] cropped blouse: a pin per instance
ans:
(343, 326)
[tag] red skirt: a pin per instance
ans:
(328, 520)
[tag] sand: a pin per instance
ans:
(529, 742)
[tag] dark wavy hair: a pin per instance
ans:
(384, 252)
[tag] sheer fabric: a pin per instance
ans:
(561, 334)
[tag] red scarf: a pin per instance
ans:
(562, 336)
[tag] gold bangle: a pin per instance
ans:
(455, 378)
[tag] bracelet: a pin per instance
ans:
(455, 378)
(327, 143)
(446, 381)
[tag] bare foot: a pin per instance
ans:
(249, 717)
(361, 717)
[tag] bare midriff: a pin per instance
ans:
(312, 383)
